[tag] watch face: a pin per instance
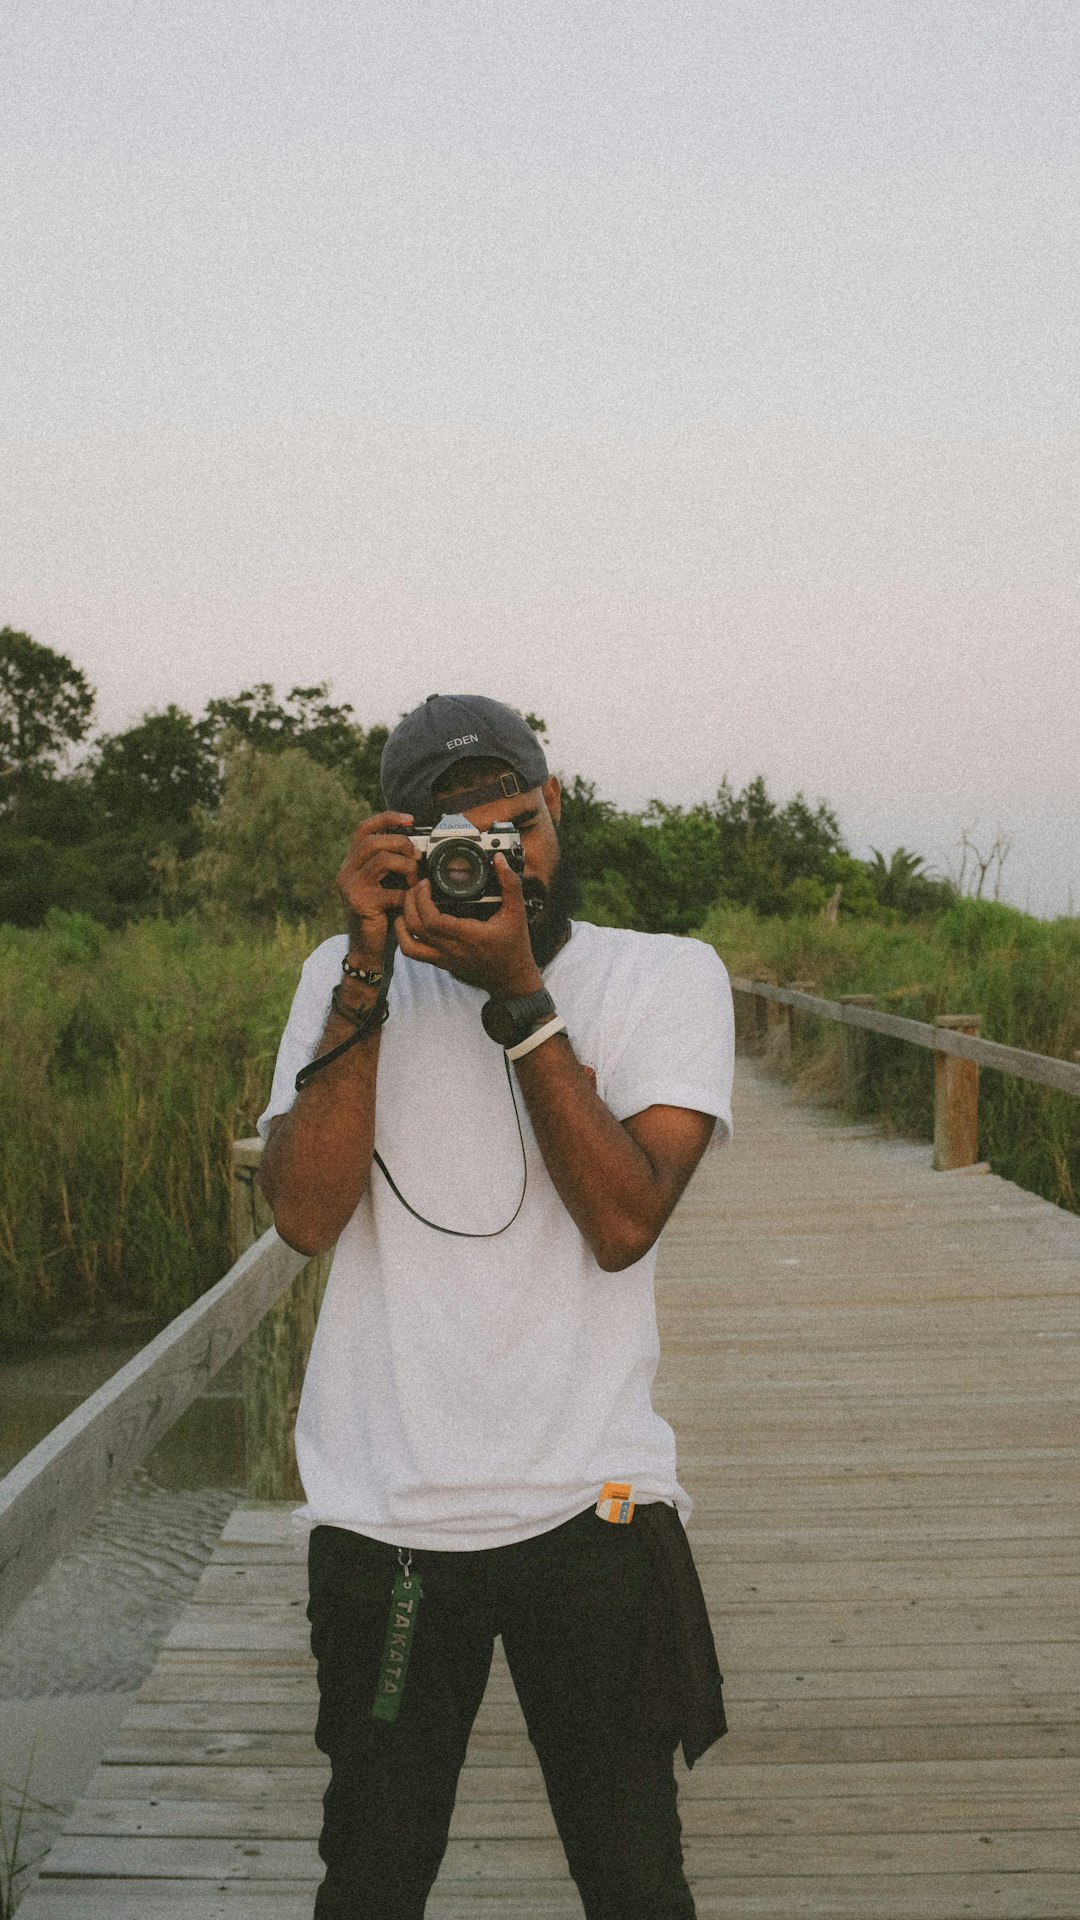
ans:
(499, 1022)
(508, 1021)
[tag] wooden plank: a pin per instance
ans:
(835, 1672)
(805, 1854)
(175, 1747)
(529, 1817)
(114, 1899)
(851, 1680)
(899, 1739)
(164, 1783)
(713, 1781)
(499, 1718)
(134, 1857)
(905, 1896)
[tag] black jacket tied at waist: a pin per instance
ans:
(682, 1683)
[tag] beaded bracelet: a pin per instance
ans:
(366, 978)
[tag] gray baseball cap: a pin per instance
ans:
(458, 726)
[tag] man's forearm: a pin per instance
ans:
(608, 1184)
(317, 1161)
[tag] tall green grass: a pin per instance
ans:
(130, 1061)
(1022, 975)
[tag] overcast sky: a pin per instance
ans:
(700, 374)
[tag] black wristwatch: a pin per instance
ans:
(508, 1022)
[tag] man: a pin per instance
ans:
(476, 1438)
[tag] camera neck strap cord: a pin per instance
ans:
(368, 1025)
(458, 1233)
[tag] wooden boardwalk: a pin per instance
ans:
(872, 1371)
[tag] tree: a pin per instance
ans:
(676, 863)
(159, 771)
(64, 810)
(46, 705)
(276, 842)
(904, 884)
(744, 848)
(307, 714)
(310, 720)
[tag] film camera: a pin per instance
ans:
(459, 861)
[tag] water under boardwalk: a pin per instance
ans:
(872, 1372)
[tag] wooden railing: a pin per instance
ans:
(953, 1038)
(268, 1301)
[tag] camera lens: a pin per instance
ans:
(459, 871)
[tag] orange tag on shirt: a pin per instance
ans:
(616, 1503)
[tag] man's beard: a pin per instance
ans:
(551, 907)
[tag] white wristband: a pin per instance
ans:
(550, 1027)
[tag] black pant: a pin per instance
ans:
(573, 1609)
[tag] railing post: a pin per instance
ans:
(275, 1353)
(795, 1015)
(752, 1017)
(250, 1214)
(956, 1100)
(856, 1050)
(777, 1035)
(763, 1010)
(744, 1014)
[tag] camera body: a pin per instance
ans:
(459, 861)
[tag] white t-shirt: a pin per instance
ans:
(466, 1393)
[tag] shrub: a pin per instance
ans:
(278, 838)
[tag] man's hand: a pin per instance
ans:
(380, 846)
(493, 954)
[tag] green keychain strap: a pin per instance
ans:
(400, 1628)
